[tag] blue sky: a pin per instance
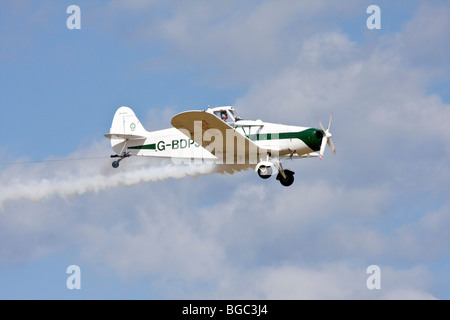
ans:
(155, 231)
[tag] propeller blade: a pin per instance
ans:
(331, 145)
(321, 126)
(329, 123)
(322, 146)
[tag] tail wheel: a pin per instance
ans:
(124, 155)
(265, 172)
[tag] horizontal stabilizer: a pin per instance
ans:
(124, 136)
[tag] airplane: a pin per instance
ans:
(218, 135)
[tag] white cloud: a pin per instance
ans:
(336, 280)
(424, 40)
(232, 42)
(165, 243)
(425, 238)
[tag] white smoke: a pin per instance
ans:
(70, 178)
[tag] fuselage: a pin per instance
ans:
(282, 139)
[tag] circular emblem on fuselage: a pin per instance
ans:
(132, 127)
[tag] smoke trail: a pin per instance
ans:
(80, 182)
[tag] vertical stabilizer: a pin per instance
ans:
(125, 126)
(125, 122)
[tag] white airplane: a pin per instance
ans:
(218, 135)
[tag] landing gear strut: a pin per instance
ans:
(115, 164)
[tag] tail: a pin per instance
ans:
(125, 126)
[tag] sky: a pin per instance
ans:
(154, 230)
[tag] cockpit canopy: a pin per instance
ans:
(227, 114)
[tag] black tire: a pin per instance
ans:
(265, 172)
(115, 164)
(289, 178)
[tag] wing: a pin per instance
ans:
(217, 137)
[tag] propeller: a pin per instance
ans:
(326, 138)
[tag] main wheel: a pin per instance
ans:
(115, 164)
(289, 178)
(265, 172)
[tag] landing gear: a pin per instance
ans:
(265, 172)
(116, 163)
(264, 169)
(288, 178)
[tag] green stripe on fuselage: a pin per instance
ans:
(311, 137)
(146, 147)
